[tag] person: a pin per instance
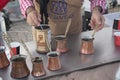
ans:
(86, 16)
(60, 11)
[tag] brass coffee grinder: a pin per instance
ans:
(42, 33)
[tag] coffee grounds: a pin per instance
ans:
(60, 38)
(87, 39)
(53, 55)
(18, 59)
(37, 60)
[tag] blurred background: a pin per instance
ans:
(16, 25)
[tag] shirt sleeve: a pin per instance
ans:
(3, 3)
(101, 3)
(24, 4)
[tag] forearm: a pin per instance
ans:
(98, 4)
(24, 5)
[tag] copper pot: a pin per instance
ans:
(87, 46)
(53, 61)
(61, 45)
(19, 66)
(4, 62)
(38, 67)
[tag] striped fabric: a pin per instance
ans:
(24, 4)
(101, 3)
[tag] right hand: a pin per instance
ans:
(33, 18)
(97, 20)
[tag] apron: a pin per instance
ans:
(60, 11)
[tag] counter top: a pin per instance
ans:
(105, 53)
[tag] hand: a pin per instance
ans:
(97, 20)
(33, 18)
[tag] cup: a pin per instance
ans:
(61, 44)
(116, 24)
(4, 62)
(87, 46)
(53, 61)
(38, 67)
(117, 38)
(15, 47)
(19, 67)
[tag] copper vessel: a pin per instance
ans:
(53, 61)
(42, 35)
(87, 46)
(61, 44)
(38, 67)
(19, 66)
(4, 62)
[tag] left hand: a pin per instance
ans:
(97, 20)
